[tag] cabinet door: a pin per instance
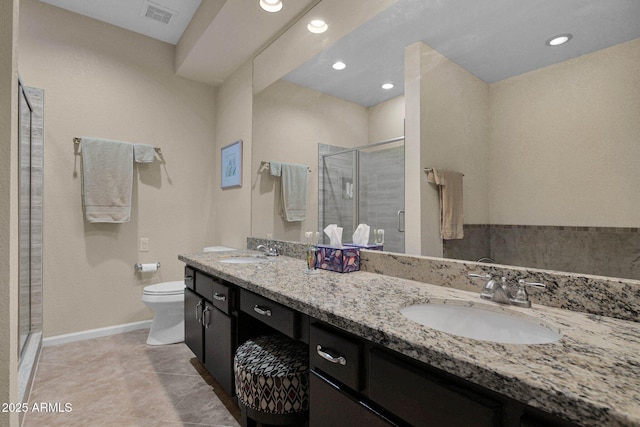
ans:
(193, 338)
(331, 406)
(219, 347)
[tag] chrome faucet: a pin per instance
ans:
(268, 251)
(499, 291)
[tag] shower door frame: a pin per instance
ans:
(356, 177)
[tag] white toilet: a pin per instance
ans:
(167, 302)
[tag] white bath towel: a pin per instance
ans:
(144, 153)
(293, 200)
(451, 212)
(107, 177)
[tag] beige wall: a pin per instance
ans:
(454, 126)
(232, 206)
(8, 209)
(289, 122)
(386, 120)
(103, 81)
(565, 142)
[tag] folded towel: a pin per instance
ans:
(293, 196)
(107, 178)
(451, 207)
(275, 168)
(144, 153)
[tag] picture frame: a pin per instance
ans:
(231, 165)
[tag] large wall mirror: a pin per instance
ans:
(547, 136)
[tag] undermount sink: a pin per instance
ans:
(243, 259)
(480, 322)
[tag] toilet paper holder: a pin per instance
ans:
(138, 267)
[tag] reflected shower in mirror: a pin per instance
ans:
(363, 185)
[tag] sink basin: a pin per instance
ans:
(243, 259)
(481, 322)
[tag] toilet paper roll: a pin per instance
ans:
(149, 267)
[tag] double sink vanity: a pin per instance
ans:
(385, 350)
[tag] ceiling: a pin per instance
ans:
(492, 39)
(130, 14)
(223, 34)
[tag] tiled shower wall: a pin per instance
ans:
(604, 251)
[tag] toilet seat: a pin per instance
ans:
(166, 288)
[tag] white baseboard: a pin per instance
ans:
(95, 333)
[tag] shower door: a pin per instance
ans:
(364, 185)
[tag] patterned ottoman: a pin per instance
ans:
(272, 377)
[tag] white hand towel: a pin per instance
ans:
(451, 206)
(275, 168)
(144, 153)
(107, 178)
(293, 195)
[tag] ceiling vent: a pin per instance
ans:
(157, 13)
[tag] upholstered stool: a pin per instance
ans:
(272, 377)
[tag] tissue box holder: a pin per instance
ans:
(342, 260)
(369, 247)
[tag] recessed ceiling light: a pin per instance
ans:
(558, 40)
(271, 5)
(317, 26)
(387, 86)
(339, 65)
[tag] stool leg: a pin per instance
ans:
(245, 421)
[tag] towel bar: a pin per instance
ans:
(77, 141)
(265, 164)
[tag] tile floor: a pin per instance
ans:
(121, 381)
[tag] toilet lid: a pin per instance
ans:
(166, 288)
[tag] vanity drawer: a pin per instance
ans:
(215, 291)
(336, 354)
(277, 316)
(189, 278)
(423, 399)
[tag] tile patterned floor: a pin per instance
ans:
(121, 381)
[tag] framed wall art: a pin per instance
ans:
(231, 165)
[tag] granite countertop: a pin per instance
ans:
(590, 376)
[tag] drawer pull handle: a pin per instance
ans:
(199, 311)
(206, 319)
(327, 355)
(219, 297)
(262, 311)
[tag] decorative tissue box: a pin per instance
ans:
(342, 260)
(369, 247)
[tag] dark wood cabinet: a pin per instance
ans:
(210, 332)
(421, 398)
(331, 406)
(193, 336)
(219, 346)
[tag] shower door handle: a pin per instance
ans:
(401, 221)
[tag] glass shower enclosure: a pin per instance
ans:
(30, 213)
(363, 185)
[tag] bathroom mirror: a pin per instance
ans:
(548, 137)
